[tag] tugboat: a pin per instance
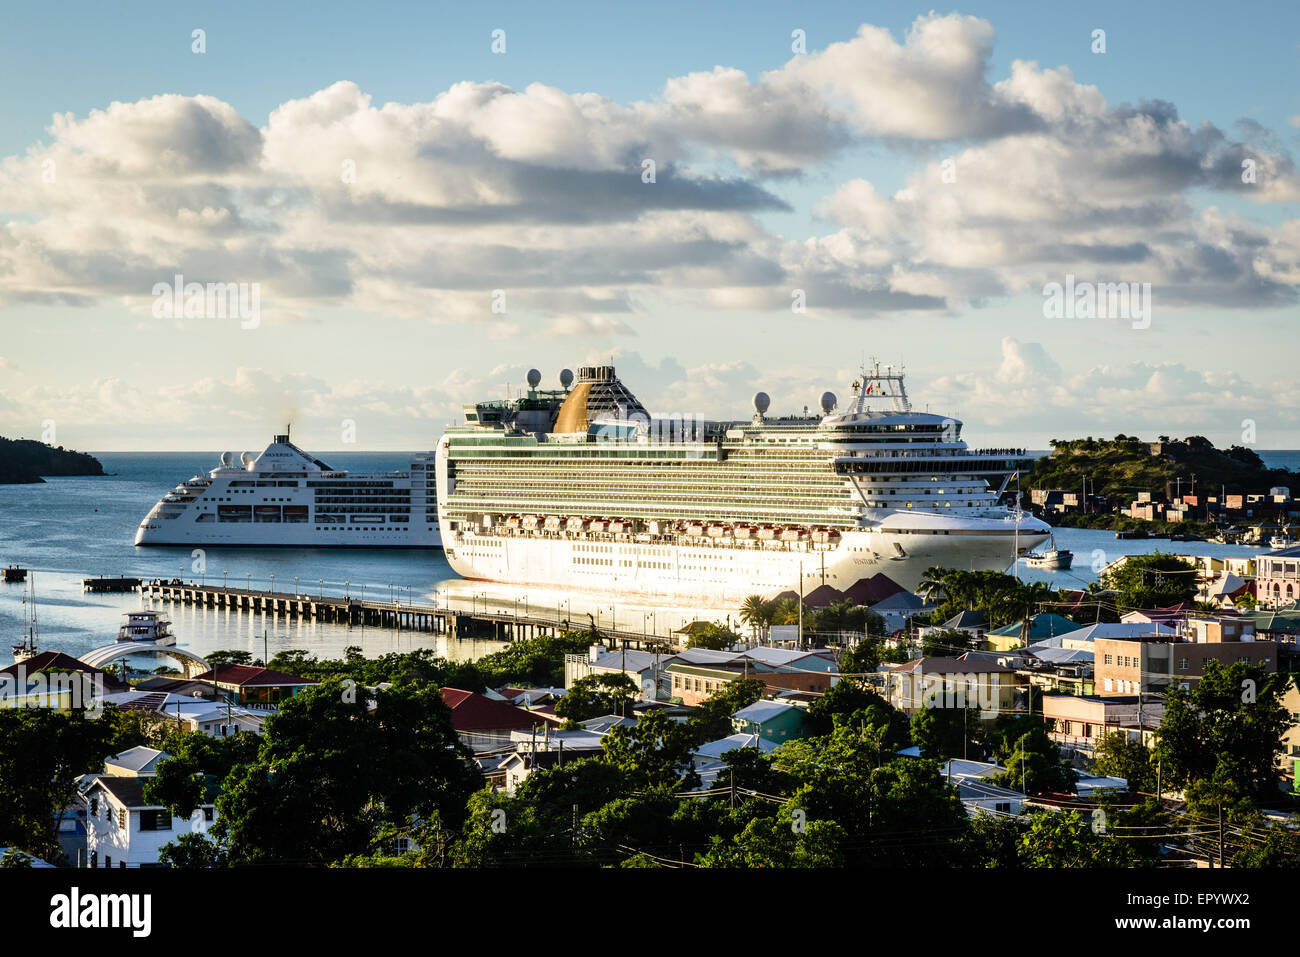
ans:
(27, 648)
(145, 627)
(1053, 558)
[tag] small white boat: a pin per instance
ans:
(146, 627)
(1051, 558)
(1278, 542)
(28, 647)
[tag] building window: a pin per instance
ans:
(1182, 664)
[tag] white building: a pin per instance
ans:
(122, 828)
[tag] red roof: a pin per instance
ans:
(250, 675)
(58, 661)
(471, 711)
(867, 591)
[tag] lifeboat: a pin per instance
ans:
(793, 534)
(617, 527)
(695, 530)
(717, 531)
(826, 536)
(530, 521)
(513, 521)
(552, 522)
(598, 525)
(576, 524)
(767, 533)
(742, 532)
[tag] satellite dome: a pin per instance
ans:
(761, 402)
(534, 378)
(829, 402)
(227, 459)
(566, 378)
(247, 459)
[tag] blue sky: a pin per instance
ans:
(375, 318)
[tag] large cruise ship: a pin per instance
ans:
(582, 487)
(286, 496)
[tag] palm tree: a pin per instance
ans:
(932, 584)
(756, 613)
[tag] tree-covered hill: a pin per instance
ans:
(25, 460)
(1125, 465)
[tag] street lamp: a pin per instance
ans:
(321, 583)
(347, 589)
(223, 579)
(272, 582)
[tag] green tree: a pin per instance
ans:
(656, 752)
(595, 695)
(1226, 731)
(947, 732)
(1068, 839)
(712, 719)
(42, 754)
(711, 636)
(229, 657)
(1152, 581)
(773, 842)
(1116, 755)
(1035, 766)
(192, 850)
(337, 768)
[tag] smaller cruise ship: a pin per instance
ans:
(146, 627)
(288, 497)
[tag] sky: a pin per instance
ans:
(411, 204)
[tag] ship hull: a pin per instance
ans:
(730, 572)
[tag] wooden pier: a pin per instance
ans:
(111, 584)
(486, 625)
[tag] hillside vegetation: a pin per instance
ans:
(25, 461)
(1125, 465)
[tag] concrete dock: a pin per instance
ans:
(496, 626)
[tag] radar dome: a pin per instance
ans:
(534, 378)
(566, 379)
(829, 402)
(247, 459)
(761, 402)
(227, 459)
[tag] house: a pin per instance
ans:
(1078, 720)
(714, 750)
(697, 674)
(123, 829)
(1277, 577)
(519, 765)
(899, 607)
(192, 714)
(771, 720)
(52, 679)
(972, 623)
(482, 723)
(952, 683)
(646, 668)
(1126, 666)
(1041, 627)
(253, 686)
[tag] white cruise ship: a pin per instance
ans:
(582, 487)
(286, 496)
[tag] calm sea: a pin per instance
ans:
(73, 528)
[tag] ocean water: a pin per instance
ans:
(69, 529)
(73, 528)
